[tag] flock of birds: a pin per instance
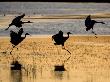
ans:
(17, 38)
(58, 38)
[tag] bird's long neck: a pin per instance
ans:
(100, 22)
(25, 36)
(67, 35)
(25, 22)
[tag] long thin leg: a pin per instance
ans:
(66, 60)
(94, 33)
(12, 49)
(66, 49)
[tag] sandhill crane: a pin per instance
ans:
(16, 37)
(17, 22)
(60, 39)
(90, 24)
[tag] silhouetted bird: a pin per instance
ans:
(60, 39)
(90, 23)
(16, 37)
(17, 22)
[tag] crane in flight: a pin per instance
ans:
(16, 38)
(89, 23)
(17, 21)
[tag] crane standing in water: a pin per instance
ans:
(89, 23)
(17, 22)
(16, 38)
(60, 39)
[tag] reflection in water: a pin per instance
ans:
(59, 68)
(34, 72)
(16, 75)
(59, 75)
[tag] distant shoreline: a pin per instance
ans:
(94, 16)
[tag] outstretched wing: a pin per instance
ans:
(57, 38)
(18, 19)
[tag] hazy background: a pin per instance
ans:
(52, 26)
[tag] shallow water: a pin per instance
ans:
(81, 72)
(52, 26)
(89, 62)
